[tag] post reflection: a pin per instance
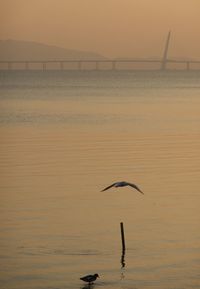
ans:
(122, 261)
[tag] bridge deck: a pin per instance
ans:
(113, 62)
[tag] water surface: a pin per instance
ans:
(67, 135)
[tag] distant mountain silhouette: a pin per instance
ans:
(27, 50)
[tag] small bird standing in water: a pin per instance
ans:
(123, 184)
(90, 278)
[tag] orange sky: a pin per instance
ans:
(130, 28)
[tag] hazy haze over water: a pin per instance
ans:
(114, 28)
(67, 135)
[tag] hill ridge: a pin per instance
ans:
(20, 50)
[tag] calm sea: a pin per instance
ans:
(67, 135)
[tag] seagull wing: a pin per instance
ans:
(109, 187)
(135, 187)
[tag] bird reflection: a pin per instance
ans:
(88, 286)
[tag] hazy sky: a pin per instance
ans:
(114, 28)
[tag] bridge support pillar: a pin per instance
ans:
(9, 65)
(44, 66)
(26, 66)
(97, 65)
(61, 65)
(79, 65)
(188, 65)
(113, 65)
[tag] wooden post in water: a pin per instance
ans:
(122, 236)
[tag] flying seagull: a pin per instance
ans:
(123, 184)
(90, 278)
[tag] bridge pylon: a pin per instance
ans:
(165, 54)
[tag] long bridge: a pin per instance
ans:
(80, 64)
(112, 64)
